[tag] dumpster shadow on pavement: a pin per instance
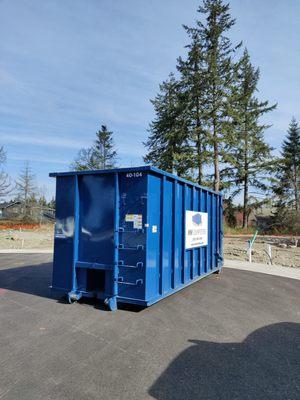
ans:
(264, 366)
(31, 279)
(36, 280)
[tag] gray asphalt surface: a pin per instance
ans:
(233, 336)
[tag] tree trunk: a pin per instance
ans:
(199, 159)
(216, 158)
(245, 202)
(296, 189)
(246, 180)
(199, 148)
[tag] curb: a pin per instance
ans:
(277, 270)
(26, 251)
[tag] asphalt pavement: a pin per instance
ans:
(230, 336)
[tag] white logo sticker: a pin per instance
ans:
(196, 227)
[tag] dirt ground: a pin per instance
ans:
(284, 250)
(37, 238)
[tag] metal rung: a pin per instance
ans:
(144, 198)
(138, 247)
(139, 264)
(87, 265)
(138, 282)
(122, 230)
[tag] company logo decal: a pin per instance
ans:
(197, 219)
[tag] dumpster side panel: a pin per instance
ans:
(95, 230)
(153, 236)
(170, 265)
(166, 240)
(187, 254)
(177, 237)
(132, 239)
(64, 233)
(220, 232)
(96, 222)
(203, 250)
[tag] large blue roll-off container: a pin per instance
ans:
(133, 235)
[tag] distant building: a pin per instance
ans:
(11, 210)
(14, 210)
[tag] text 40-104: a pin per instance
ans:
(134, 174)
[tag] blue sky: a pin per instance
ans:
(68, 66)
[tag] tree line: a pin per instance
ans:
(283, 183)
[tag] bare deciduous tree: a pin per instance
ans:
(26, 187)
(5, 182)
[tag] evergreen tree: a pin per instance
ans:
(42, 201)
(193, 85)
(85, 160)
(247, 155)
(220, 73)
(196, 121)
(104, 148)
(102, 155)
(230, 213)
(288, 172)
(167, 143)
(52, 204)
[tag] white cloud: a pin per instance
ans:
(34, 158)
(47, 141)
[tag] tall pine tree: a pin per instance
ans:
(220, 73)
(193, 84)
(247, 155)
(102, 155)
(104, 148)
(288, 170)
(205, 78)
(168, 140)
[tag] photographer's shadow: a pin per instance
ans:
(266, 365)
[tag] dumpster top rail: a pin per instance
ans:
(143, 168)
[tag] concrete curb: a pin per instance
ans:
(26, 251)
(277, 270)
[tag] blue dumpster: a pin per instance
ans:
(133, 235)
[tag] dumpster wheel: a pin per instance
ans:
(73, 297)
(111, 303)
(70, 300)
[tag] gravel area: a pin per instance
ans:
(40, 238)
(285, 250)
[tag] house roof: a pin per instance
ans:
(7, 204)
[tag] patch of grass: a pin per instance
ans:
(239, 231)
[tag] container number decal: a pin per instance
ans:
(134, 175)
(196, 229)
